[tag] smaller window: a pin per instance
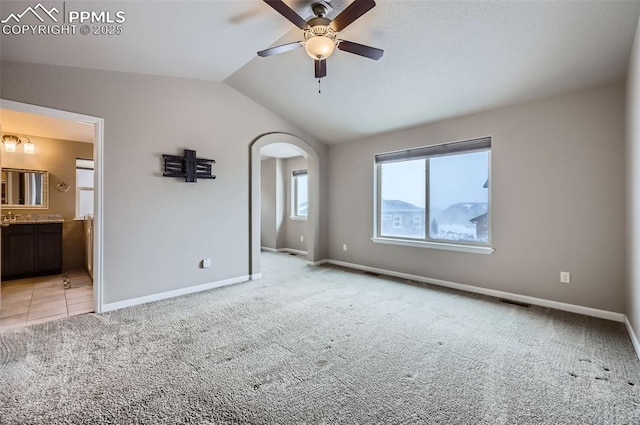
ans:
(417, 222)
(299, 197)
(397, 221)
(84, 187)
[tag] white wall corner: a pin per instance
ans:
(632, 335)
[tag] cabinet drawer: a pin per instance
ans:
(18, 229)
(50, 228)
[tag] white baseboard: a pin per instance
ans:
(587, 311)
(632, 335)
(255, 276)
(175, 293)
(317, 263)
(291, 250)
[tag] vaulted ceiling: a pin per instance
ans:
(442, 58)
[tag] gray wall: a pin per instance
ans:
(156, 230)
(557, 200)
(633, 186)
(281, 211)
(272, 203)
(268, 202)
(294, 228)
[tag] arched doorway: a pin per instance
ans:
(313, 246)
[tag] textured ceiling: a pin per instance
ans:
(442, 58)
(22, 124)
(205, 40)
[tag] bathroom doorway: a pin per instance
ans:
(67, 214)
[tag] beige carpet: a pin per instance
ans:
(321, 345)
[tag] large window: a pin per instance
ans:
(84, 187)
(435, 193)
(299, 197)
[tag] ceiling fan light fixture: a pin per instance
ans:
(320, 32)
(319, 47)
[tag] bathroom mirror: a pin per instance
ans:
(25, 188)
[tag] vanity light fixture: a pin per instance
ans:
(10, 142)
(29, 148)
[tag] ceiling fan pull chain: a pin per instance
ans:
(319, 86)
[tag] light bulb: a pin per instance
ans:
(29, 148)
(9, 146)
(319, 47)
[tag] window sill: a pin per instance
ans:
(297, 218)
(473, 249)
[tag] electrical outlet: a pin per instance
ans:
(565, 277)
(206, 263)
(344, 246)
(301, 238)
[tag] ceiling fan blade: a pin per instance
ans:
(360, 49)
(321, 68)
(288, 13)
(351, 13)
(280, 49)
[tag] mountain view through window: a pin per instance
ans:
(458, 198)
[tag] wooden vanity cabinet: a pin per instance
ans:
(31, 250)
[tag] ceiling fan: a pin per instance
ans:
(320, 33)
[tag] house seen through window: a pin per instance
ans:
(84, 187)
(299, 194)
(436, 193)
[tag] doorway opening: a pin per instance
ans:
(284, 198)
(51, 240)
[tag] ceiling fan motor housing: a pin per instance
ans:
(319, 28)
(320, 9)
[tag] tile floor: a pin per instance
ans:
(42, 299)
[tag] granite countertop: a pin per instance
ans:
(35, 219)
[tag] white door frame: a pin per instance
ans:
(98, 158)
